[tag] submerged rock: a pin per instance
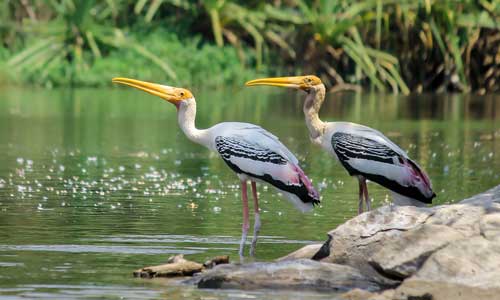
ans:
(290, 274)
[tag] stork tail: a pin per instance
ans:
(304, 196)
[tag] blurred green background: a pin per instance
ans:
(385, 45)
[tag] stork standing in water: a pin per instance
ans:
(364, 152)
(249, 150)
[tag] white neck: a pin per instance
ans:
(186, 115)
(312, 105)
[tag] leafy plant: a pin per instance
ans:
(386, 44)
(74, 39)
(336, 24)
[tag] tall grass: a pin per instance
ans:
(395, 45)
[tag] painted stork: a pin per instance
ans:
(364, 152)
(252, 152)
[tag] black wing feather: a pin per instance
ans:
(229, 146)
(350, 146)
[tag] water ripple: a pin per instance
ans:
(100, 249)
(214, 239)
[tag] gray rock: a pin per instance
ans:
(485, 199)
(401, 257)
(489, 226)
(474, 262)
(443, 252)
(465, 269)
(416, 289)
(384, 219)
(388, 231)
(394, 243)
(290, 274)
(356, 241)
(462, 217)
(305, 252)
(358, 294)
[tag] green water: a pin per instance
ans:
(97, 183)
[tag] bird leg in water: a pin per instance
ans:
(246, 225)
(256, 225)
(363, 193)
(360, 203)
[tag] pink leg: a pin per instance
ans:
(361, 190)
(256, 225)
(246, 225)
(367, 199)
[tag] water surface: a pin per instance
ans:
(97, 183)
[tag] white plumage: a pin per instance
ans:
(255, 155)
(364, 152)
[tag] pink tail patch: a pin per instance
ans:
(307, 183)
(418, 175)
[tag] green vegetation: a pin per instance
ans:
(397, 45)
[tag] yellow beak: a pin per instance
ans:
(168, 93)
(296, 82)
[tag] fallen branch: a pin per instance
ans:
(178, 266)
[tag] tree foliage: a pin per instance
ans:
(386, 44)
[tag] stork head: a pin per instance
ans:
(171, 94)
(305, 83)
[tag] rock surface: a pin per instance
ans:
(397, 253)
(488, 226)
(291, 274)
(356, 241)
(443, 252)
(465, 264)
(402, 256)
(305, 252)
(466, 269)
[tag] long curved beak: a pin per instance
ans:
(163, 91)
(290, 82)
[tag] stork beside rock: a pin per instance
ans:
(364, 152)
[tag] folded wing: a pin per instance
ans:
(256, 153)
(383, 164)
